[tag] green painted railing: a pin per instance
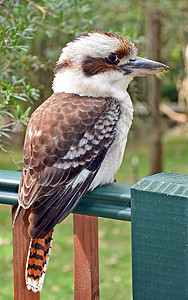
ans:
(112, 201)
(158, 209)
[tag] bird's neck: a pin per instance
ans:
(96, 86)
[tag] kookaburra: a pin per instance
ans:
(76, 139)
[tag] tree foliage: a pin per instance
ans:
(16, 92)
(34, 32)
(30, 38)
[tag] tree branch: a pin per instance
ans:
(11, 158)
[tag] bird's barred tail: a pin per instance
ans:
(37, 262)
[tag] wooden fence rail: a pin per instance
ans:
(158, 209)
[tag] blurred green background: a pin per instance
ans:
(31, 39)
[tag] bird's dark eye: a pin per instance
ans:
(112, 58)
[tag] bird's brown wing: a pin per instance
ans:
(66, 141)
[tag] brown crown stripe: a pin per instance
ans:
(109, 34)
(125, 45)
(123, 50)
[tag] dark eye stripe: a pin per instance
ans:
(92, 66)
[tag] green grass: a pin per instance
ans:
(114, 256)
(6, 261)
(114, 236)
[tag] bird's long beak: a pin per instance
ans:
(142, 67)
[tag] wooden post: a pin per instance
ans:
(159, 211)
(86, 269)
(21, 241)
(154, 90)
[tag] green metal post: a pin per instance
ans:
(159, 219)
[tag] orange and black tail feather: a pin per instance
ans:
(37, 262)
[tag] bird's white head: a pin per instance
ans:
(100, 64)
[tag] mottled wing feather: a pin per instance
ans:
(44, 218)
(66, 141)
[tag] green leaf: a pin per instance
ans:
(19, 97)
(19, 111)
(26, 112)
(4, 112)
(16, 126)
(5, 134)
(5, 84)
